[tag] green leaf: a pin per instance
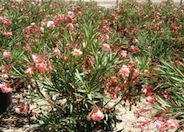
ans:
(71, 108)
(164, 102)
(180, 80)
(89, 96)
(181, 98)
(95, 88)
(78, 76)
(38, 89)
(81, 90)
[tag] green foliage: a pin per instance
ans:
(171, 80)
(79, 57)
(158, 28)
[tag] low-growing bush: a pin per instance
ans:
(78, 57)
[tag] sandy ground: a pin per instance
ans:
(128, 118)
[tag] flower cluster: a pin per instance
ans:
(4, 25)
(163, 125)
(41, 63)
(148, 92)
(5, 88)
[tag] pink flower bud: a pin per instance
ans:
(56, 52)
(150, 99)
(106, 47)
(134, 40)
(70, 26)
(136, 73)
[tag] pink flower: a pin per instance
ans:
(116, 91)
(42, 29)
(91, 60)
(126, 84)
(123, 53)
(41, 66)
(5, 88)
(76, 52)
(147, 90)
(17, 110)
(134, 40)
(50, 24)
(6, 23)
(41, 63)
(172, 123)
(22, 110)
(160, 125)
(37, 58)
(159, 24)
(68, 18)
(4, 71)
(1, 19)
(135, 80)
(136, 73)
(71, 13)
(6, 55)
(29, 72)
(58, 19)
(106, 47)
(96, 114)
(70, 26)
(56, 52)
(124, 71)
(7, 34)
(104, 37)
(49, 67)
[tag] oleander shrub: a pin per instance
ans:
(78, 57)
